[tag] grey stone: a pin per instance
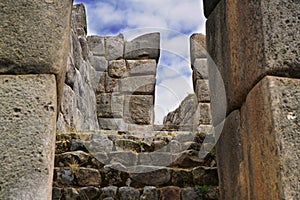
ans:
(205, 113)
(113, 174)
(101, 85)
(28, 113)
(183, 137)
(112, 124)
(88, 177)
(110, 105)
(95, 77)
(110, 191)
(150, 192)
(100, 143)
(99, 63)
(114, 47)
(68, 106)
(190, 194)
(117, 68)
(205, 176)
(156, 158)
(138, 84)
(138, 109)
(79, 23)
(209, 6)
(198, 47)
(142, 67)
(150, 175)
(90, 192)
(129, 193)
(181, 177)
(70, 194)
(125, 158)
(202, 91)
(49, 51)
(70, 72)
(200, 68)
(174, 146)
(188, 158)
(84, 47)
(111, 84)
(145, 46)
(56, 193)
(66, 176)
(67, 158)
(96, 45)
(126, 144)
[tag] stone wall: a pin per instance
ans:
(110, 82)
(255, 46)
(33, 54)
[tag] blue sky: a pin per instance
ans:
(176, 20)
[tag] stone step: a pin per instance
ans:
(130, 193)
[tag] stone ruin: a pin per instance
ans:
(91, 98)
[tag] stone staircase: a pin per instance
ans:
(134, 165)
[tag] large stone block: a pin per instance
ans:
(142, 67)
(200, 69)
(117, 68)
(114, 47)
(138, 84)
(110, 105)
(138, 109)
(79, 24)
(28, 111)
(145, 46)
(112, 124)
(202, 91)
(198, 47)
(96, 45)
(98, 62)
(273, 138)
(250, 39)
(35, 37)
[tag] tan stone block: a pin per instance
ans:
(117, 68)
(271, 128)
(250, 39)
(35, 37)
(198, 47)
(142, 67)
(28, 111)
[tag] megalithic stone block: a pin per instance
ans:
(143, 47)
(96, 45)
(28, 111)
(198, 47)
(248, 40)
(138, 84)
(35, 37)
(114, 47)
(142, 67)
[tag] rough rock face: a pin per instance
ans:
(184, 115)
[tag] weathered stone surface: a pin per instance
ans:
(138, 84)
(111, 84)
(151, 175)
(200, 69)
(110, 105)
(129, 193)
(170, 192)
(183, 115)
(114, 46)
(202, 91)
(84, 47)
(198, 47)
(156, 158)
(70, 194)
(117, 68)
(138, 109)
(230, 156)
(209, 6)
(79, 24)
(110, 191)
(190, 194)
(205, 176)
(181, 177)
(100, 143)
(98, 62)
(88, 177)
(272, 139)
(67, 158)
(150, 192)
(245, 49)
(142, 67)
(126, 144)
(27, 127)
(188, 158)
(90, 193)
(205, 113)
(96, 45)
(49, 52)
(56, 193)
(112, 124)
(145, 46)
(125, 158)
(113, 174)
